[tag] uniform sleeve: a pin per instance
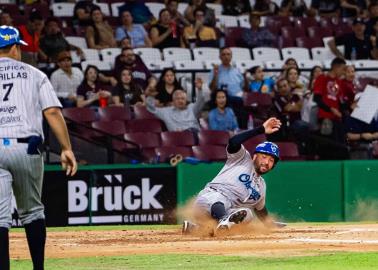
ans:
(47, 95)
(238, 156)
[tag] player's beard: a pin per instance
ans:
(260, 168)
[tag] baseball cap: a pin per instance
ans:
(9, 36)
(358, 20)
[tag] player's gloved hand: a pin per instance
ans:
(69, 163)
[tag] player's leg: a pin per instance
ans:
(5, 216)
(235, 216)
(27, 187)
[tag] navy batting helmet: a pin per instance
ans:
(269, 148)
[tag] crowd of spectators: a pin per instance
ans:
(315, 109)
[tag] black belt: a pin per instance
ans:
(23, 140)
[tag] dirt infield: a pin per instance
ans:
(294, 240)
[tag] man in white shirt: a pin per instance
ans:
(66, 79)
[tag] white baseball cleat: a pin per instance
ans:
(188, 227)
(234, 218)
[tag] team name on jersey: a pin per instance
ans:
(247, 182)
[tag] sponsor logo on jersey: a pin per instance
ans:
(247, 182)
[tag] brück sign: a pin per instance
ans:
(116, 196)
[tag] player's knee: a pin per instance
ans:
(218, 211)
(29, 217)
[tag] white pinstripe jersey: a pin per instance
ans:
(239, 183)
(24, 93)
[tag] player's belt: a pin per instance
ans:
(23, 140)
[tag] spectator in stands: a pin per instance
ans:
(99, 34)
(325, 8)
(353, 8)
(127, 92)
(309, 112)
(373, 17)
(6, 18)
(287, 107)
(166, 85)
(257, 36)
(135, 32)
(236, 8)
(31, 33)
(198, 34)
(66, 80)
(222, 117)
(91, 90)
(357, 45)
(257, 82)
(292, 77)
(327, 93)
(289, 63)
(165, 33)
(53, 42)
(140, 12)
(349, 90)
(172, 6)
(293, 8)
(140, 72)
(229, 78)
(210, 19)
(82, 13)
(265, 8)
(179, 116)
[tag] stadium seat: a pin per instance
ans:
(155, 8)
(289, 151)
(182, 7)
(158, 64)
(177, 138)
(225, 21)
(114, 8)
(79, 115)
(233, 36)
(213, 137)
(143, 139)
(366, 63)
(144, 125)
(75, 57)
(209, 64)
(321, 53)
(109, 55)
(266, 54)
(309, 63)
(204, 53)
(165, 152)
(258, 104)
(276, 64)
(304, 22)
(63, 9)
(287, 42)
(185, 65)
(13, 9)
(210, 152)
(251, 143)
(91, 54)
(174, 54)
(296, 53)
(77, 41)
(112, 113)
(307, 42)
(292, 32)
(101, 65)
(140, 112)
(247, 64)
(218, 9)
(240, 54)
(43, 9)
(104, 8)
(148, 54)
(319, 32)
(244, 21)
(114, 128)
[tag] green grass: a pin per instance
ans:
(342, 261)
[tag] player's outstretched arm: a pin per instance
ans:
(270, 126)
(267, 219)
(58, 125)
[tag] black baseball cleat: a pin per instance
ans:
(188, 227)
(235, 218)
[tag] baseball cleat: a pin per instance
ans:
(235, 218)
(188, 227)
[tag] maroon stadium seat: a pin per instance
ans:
(144, 125)
(233, 36)
(10, 8)
(141, 112)
(177, 138)
(319, 32)
(210, 152)
(166, 152)
(289, 151)
(287, 42)
(112, 113)
(144, 139)
(80, 115)
(251, 143)
(292, 32)
(115, 128)
(43, 9)
(307, 42)
(213, 137)
(305, 22)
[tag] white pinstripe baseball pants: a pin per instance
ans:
(23, 173)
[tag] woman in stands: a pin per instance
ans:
(292, 76)
(127, 92)
(99, 34)
(222, 117)
(135, 32)
(257, 82)
(165, 33)
(165, 87)
(210, 19)
(91, 90)
(314, 74)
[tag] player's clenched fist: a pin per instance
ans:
(272, 125)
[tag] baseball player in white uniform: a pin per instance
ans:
(239, 187)
(25, 96)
